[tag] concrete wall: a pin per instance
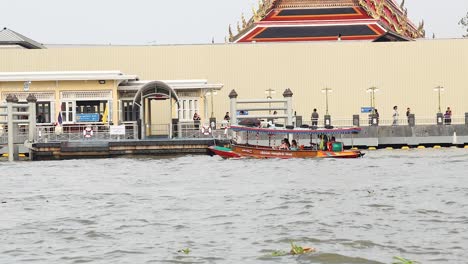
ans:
(405, 72)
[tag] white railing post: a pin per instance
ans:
(288, 96)
(233, 100)
(11, 131)
(32, 117)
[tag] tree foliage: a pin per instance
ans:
(464, 23)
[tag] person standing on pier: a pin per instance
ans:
(395, 116)
(196, 120)
(448, 116)
(408, 112)
(315, 117)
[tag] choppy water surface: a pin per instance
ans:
(143, 210)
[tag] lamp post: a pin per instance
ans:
(374, 118)
(269, 92)
(326, 91)
(212, 94)
(372, 91)
(439, 89)
(327, 117)
(439, 116)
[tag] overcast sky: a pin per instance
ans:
(146, 22)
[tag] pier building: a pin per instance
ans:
(107, 97)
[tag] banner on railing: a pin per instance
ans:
(117, 130)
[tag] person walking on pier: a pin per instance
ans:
(395, 116)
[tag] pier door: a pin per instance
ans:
(159, 118)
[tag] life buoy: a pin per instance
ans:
(88, 132)
(206, 130)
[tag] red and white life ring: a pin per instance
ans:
(88, 132)
(206, 130)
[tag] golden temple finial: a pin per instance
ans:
(421, 30)
(238, 27)
(256, 17)
(380, 8)
(231, 36)
(244, 23)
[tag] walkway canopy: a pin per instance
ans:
(146, 91)
(156, 90)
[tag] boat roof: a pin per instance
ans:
(302, 131)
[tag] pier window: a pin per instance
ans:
(187, 108)
(43, 112)
(90, 111)
(67, 111)
(127, 111)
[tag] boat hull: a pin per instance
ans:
(241, 151)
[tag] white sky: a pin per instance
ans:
(145, 22)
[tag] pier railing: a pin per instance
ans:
(80, 132)
(75, 132)
(403, 121)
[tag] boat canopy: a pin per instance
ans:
(302, 131)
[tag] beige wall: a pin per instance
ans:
(405, 72)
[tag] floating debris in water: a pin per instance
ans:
(186, 251)
(400, 260)
(295, 250)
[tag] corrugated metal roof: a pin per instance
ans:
(10, 37)
(64, 76)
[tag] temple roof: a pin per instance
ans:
(314, 3)
(308, 20)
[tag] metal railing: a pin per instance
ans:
(81, 132)
(348, 122)
(19, 137)
(200, 130)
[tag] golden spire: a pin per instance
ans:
(244, 23)
(238, 27)
(421, 31)
(256, 17)
(231, 36)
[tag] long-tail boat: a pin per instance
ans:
(327, 150)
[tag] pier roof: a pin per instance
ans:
(64, 76)
(9, 37)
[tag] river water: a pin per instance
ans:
(412, 204)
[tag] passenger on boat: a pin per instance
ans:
(330, 144)
(323, 142)
(284, 144)
(294, 145)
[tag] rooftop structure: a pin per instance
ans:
(315, 20)
(12, 39)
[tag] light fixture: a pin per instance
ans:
(102, 82)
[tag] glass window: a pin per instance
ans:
(42, 112)
(187, 108)
(127, 108)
